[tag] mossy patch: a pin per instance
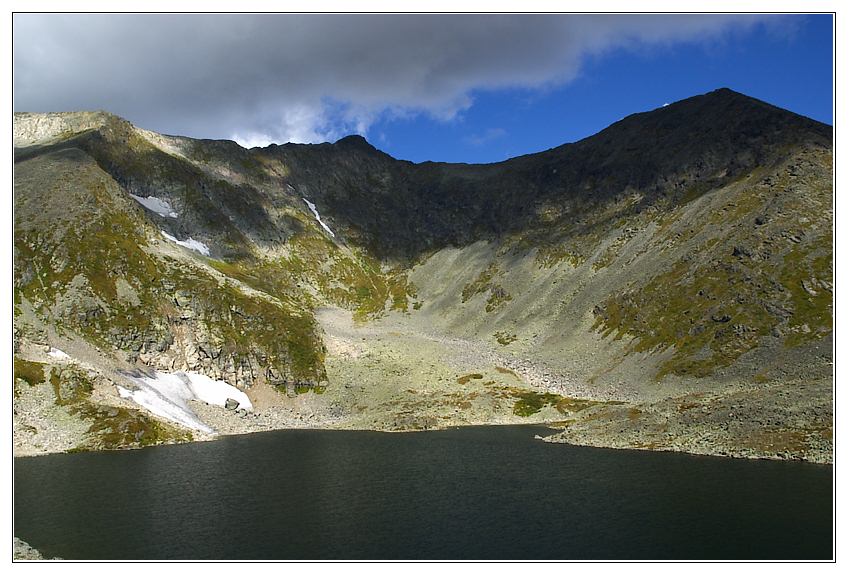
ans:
(70, 385)
(504, 338)
(401, 290)
(30, 372)
(481, 284)
(548, 256)
(567, 405)
(468, 377)
(529, 403)
(498, 296)
(115, 428)
(503, 370)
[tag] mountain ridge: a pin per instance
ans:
(100, 117)
(684, 250)
(570, 167)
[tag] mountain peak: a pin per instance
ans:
(732, 103)
(720, 119)
(725, 91)
(354, 140)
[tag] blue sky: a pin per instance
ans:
(442, 87)
(790, 67)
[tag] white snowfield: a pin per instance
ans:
(317, 217)
(167, 395)
(154, 204)
(189, 243)
(58, 355)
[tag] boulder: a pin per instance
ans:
(808, 286)
(231, 404)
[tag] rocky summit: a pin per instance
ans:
(664, 284)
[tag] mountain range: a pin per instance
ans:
(665, 284)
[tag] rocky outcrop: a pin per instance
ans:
(31, 129)
(23, 551)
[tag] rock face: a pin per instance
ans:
(688, 247)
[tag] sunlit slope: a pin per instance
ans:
(90, 260)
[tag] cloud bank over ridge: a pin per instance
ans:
(308, 78)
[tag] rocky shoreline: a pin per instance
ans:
(23, 551)
(391, 375)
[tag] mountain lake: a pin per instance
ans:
(465, 493)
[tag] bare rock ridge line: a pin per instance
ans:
(664, 284)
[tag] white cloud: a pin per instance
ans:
(309, 78)
(299, 123)
(252, 139)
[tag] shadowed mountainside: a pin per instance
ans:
(668, 156)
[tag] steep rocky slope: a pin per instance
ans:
(681, 257)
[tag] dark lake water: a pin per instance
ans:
(471, 493)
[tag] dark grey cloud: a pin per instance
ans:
(261, 78)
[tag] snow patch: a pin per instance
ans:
(189, 243)
(58, 354)
(317, 217)
(167, 395)
(161, 207)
